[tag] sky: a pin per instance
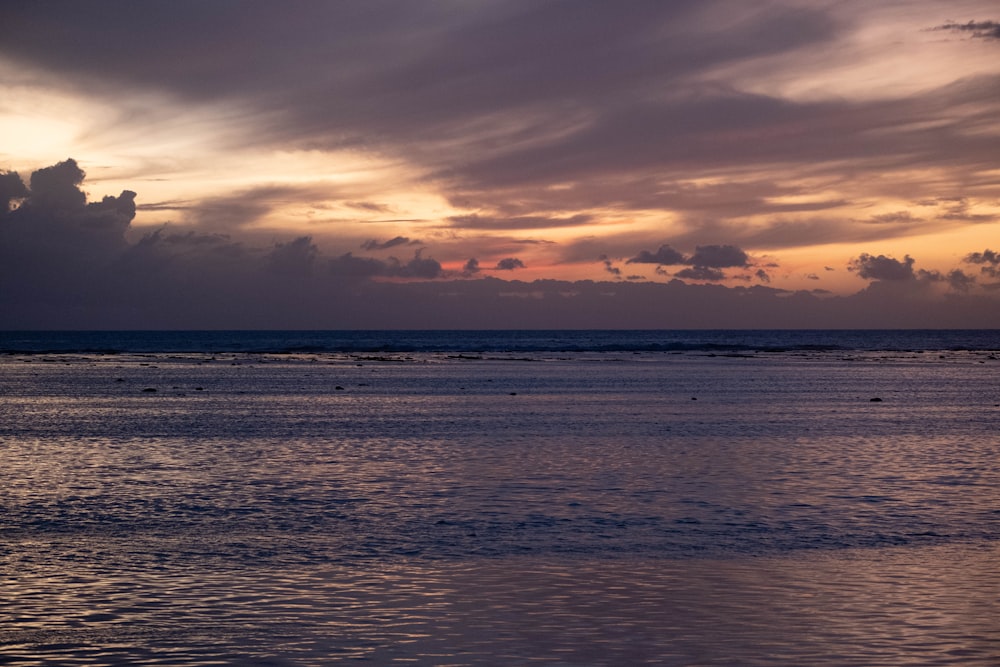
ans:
(499, 164)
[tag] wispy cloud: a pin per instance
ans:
(977, 29)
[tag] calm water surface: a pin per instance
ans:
(597, 508)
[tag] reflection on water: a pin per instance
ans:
(651, 509)
(933, 605)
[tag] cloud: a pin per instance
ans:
(368, 206)
(895, 218)
(609, 267)
(372, 244)
(54, 220)
(701, 273)
(718, 256)
(887, 271)
(12, 189)
(663, 255)
(69, 263)
(297, 257)
(163, 257)
(56, 187)
(704, 263)
(349, 266)
(958, 208)
(960, 281)
(242, 209)
(714, 256)
(471, 267)
(420, 267)
(977, 29)
(516, 222)
(509, 264)
(988, 259)
(881, 267)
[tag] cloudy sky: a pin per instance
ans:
(487, 163)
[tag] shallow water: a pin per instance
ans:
(594, 508)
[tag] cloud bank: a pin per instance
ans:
(69, 263)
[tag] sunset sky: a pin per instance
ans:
(490, 163)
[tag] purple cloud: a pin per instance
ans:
(880, 267)
(509, 264)
(663, 255)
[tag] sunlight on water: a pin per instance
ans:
(605, 509)
(933, 605)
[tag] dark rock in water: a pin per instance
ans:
(339, 388)
(875, 400)
(149, 390)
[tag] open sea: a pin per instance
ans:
(500, 498)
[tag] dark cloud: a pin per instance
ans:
(889, 271)
(704, 257)
(960, 281)
(509, 264)
(372, 244)
(762, 276)
(988, 259)
(471, 267)
(420, 267)
(163, 257)
(56, 187)
(718, 256)
(12, 189)
(663, 255)
(881, 267)
(701, 273)
(704, 264)
(609, 267)
(188, 242)
(976, 29)
(349, 266)
(55, 220)
(297, 257)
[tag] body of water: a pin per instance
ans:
(480, 498)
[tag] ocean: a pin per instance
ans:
(500, 498)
